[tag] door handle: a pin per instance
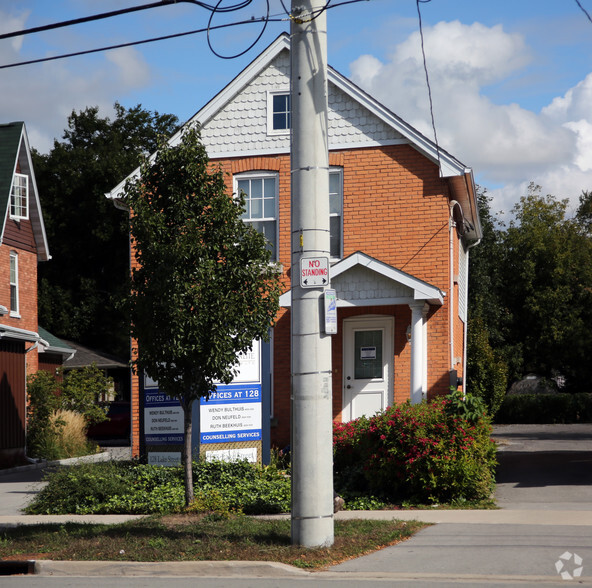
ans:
(348, 386)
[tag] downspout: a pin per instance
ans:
(469, 247)
(451, 226)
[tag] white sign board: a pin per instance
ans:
(330, 312)
(314, 272)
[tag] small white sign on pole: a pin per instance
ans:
(330, 311)
(314, 272)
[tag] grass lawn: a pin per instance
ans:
(195, 537)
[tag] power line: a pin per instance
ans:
(427, 77)
(75, 21)
(584, 10)
(214, 9)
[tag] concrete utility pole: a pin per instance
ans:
(311, 430)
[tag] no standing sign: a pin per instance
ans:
(314, 272)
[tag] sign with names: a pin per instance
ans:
(233, 413)
(163, 416)
(314, 272)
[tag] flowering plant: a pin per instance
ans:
(423, 452)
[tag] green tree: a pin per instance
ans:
(204, 287)
(488, 317)
(88, 237)
(548, 286)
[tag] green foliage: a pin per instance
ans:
(465, 406)
(530, 296)
(421, 452)
(130, 487)
(204, 288)
(87, 235)
(78, 392)
(546, 408)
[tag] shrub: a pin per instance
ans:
(422, 453)
(78, 393)
(130, 487)
(545, 409)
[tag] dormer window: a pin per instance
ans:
(19, 197)
(279, 113)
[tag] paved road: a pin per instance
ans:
(545, 484)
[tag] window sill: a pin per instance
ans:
(13, 314)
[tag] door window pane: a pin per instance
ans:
(368, 355)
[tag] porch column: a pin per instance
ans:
(417, 351)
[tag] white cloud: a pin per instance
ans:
(44, 95)
(504, 143)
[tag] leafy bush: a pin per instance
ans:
(545, 409)
(130, 487)
(423, 453)
(79, 393)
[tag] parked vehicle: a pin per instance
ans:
(117, 425)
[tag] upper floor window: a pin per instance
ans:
(336, 212)
(261, 196)
(279, 113)
(19, 197)
(14, 293)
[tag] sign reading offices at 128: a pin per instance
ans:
(233, 412)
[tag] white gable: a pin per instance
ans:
(240, 125)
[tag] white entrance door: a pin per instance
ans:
(367, 365)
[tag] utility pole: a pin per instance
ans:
(311, 402)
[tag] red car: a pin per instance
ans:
(117, 425)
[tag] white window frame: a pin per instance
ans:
(14, 285)
(338, 170)
(270, 128)
(18, 203)
(262, 175)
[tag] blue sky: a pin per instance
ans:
(511, 80)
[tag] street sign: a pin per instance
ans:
(314, 272)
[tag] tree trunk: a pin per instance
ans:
(187, 453)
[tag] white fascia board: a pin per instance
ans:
(214, 105)
(450, 166)
(421, 290)
(35, 213)
(7, 332)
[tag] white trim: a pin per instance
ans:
(7, 332)
(337, 170)
(14, 309)
(13, 204)
(257, 175)
(271, 131)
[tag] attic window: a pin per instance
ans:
(19, 197)
(279, 113)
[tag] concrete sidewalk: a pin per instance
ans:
(543, 530)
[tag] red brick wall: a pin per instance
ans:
(27, 282)
(395, 208)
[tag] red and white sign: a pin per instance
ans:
(314, 272)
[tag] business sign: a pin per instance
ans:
(314, 272)
(233, 413)
(163, 416)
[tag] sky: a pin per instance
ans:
(511, 80)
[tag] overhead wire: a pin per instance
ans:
(212, 8)
(427, 77)
(584, 10)
(122, 11)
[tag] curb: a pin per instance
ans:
(42, 463)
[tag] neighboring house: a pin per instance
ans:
(53, 352)
(403, 217)
(22, 244)
(114, 367)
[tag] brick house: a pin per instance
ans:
(23, 244)
(403, 217)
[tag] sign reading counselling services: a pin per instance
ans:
(233, 412)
